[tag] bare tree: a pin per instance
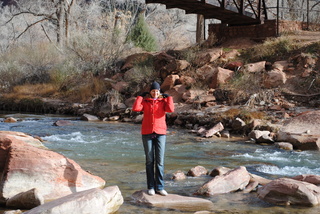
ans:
(46, 13)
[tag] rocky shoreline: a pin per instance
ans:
(271, 117)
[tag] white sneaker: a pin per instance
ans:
(163, 192)
(151, 192)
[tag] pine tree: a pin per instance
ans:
(141, 36)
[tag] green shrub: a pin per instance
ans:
(141, 36)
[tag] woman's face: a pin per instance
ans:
(155, 93)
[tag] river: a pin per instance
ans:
(113, 151)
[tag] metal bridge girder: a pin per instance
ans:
(233, 12)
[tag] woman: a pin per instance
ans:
(154, 106)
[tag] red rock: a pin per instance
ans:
(236, 179)
(197, 171)
(172, 201)
(286, 191)
(169, 82)
(220, 77)
(25, 167)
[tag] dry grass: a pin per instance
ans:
(83, 89)
(29, 90)
(272, 49)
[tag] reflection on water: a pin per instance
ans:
(114, 152)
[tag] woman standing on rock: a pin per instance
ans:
(154, 106)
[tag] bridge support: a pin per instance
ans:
(200, 34)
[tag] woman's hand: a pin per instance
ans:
(144, 94)
(165, 95)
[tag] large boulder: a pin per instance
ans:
(286, 191)
(169, 82)
(197, 171)
(220, 77)
(207, 56)
(274, 78)
(255, 67)
(172, 201)
(302, 131)
(92, 201)
(236, 179)
(313, 179)
(24, 167)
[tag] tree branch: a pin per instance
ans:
(29, 26)
(47, 16)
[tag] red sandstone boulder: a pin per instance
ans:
(235, 65)
(274, 79)
(220, 76)
(212, 131)
(176, 92)
(236, 179)
(286, 191)
(10, 120)
(92, 201)
(205, 72)
(186, 80)
(313, 179)
(24, 167)
(220, 170)
(255, 67)
(172, 201)
(302, 131)
(207, 56)
(280, 65)
(166, 65)
(169, 82)
(179, 175)
(89, 117)
(259, 179)
(197, 171)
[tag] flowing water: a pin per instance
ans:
(114, 152)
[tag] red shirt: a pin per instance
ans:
(154, 113)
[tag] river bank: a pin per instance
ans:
(113, 151)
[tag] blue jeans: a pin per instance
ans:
(154, 148)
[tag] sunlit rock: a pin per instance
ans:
(24, 167)
(286, 191)
(92, 201)
(236, 179)
(313, 179)
(197, 171)
(172, 201)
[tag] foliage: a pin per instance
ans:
(141, 36)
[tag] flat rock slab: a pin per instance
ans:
(172, 201)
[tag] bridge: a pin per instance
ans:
(230, 12)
